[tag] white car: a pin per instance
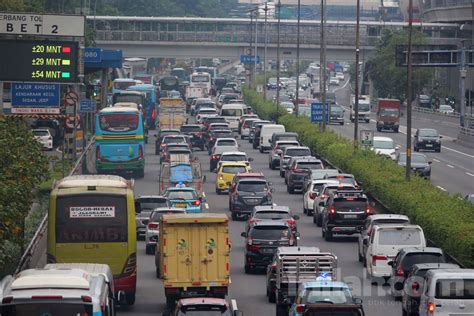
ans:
(152, 232)
(288, 106)
(385, 146)
(205, 112)
(234, 156)
(43, 136)
(311, 193)
(340, 76)
(245, 129)
(446, 109)
(333, 81)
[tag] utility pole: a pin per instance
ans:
(297, 105)
(251, 50)
(356, 94)
(323, 61)
(255, 55)
(462, 82)
(409, 92)
(265, 55)
(278, 57)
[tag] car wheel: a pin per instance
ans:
(254, 146)
(202, 147)
(319, 220)
(140, 173)
(416, 148)
(130, 298)
(149, 250)
(341, 123)
(272, 297)
(305, 210)
(438, 150)
(361, 259)
(261, 149)
(315, 221)
(291, 190)
(234, 216)
(282, 174)
(247, 269)
(218, 191)
(379, 129)
(395, 130)
(328, 235)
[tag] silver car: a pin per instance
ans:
(144, 205)
(152, 231)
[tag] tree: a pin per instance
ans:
(389, 80)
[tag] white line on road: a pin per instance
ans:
(345, 85)
(436, 160)
(441, 188)
(470, 174)
(450, 166)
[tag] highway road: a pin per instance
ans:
(452, 168)
(249, 290)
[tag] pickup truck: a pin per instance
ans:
(187, 173)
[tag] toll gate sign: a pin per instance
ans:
(39, 61)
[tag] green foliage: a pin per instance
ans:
(22, 168)
(447, 220)
(390, 80)
(264, 108)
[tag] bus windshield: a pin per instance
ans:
(200, 78)
(89, 218)
(50, 309)
(123, 85)
(137, 99)
(119, 122)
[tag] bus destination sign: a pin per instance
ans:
(39, 61)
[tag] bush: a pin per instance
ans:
(447, 220)
(265, 108)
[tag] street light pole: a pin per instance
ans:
(265, 55)
(298, 60)
(278, 57)
(409, 92)
(323, 62)
(250, 52)
(256, 48)
(356, 94)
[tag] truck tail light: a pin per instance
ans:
(97, 153)
(431, 308)
(375, 258)
(332, 211)
(152, 226)
(324, 196)
(140, 152)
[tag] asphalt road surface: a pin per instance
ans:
(249, 290)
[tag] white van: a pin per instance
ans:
(448, 292)
(59, 289)
(232, 113)
(266, 135)
(384, 244)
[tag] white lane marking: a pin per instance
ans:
(441, 188)
(207, 206)
(58, 150)
(470, 174)
(203, 194)
(434, 159)
(450, 166)
(345, 85)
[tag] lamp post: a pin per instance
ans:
(256, 48)
(298, 60)
(322, 62)
(250, 44)
(265, 54)
(278, 56)
(409, 92)
(356, 93)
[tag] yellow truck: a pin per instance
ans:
(193, 255)
(171, 113)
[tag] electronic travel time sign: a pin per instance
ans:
(39, 61)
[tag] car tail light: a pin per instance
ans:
(375, 258)
(199, 134)
(400, 271)
(274, 265)
(324, 196)
(415, 286)
(153, 114)
(162, 145)
(296, 170)
(332, 211)
(196, 203)
(97, 153)
(152, 226)
(291, 222)
(7, 299)
(431, 308)
(312, 195)
(300, 309)
(140, 152)
(368, 211)
(130, 266)
(214, 157)
(86, 299)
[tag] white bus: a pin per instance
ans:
(200, 80)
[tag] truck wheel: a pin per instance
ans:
(130, 298)
(261, 149)
(218, 191)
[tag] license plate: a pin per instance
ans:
(120, 166)
(268, 250)
(350, 216)
(429, 145)
(181, 204)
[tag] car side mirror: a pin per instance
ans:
(357, 300)
(296, 217)
(322, 203)
(145, 221)
(243, 234)
(138, 207)
(203, 179)
(440, 136)
(430, 162)
(390, 263)
(250, 159)
(415, 286)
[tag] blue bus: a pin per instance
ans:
(119, 141)
(151, 103)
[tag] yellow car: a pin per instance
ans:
(226, 173)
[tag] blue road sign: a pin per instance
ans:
(92, 55)
(317, 112)
(30, 97)
(249, 59)
(87, 106)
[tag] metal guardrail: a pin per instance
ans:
(430, 111)
(25, 259)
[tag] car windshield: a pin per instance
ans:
(384, 144)
(171, 140)
(215, 120)
(156, 215)
(334, 295)
(320, 174)
(40, 133)
(118, 122)
(252, 186)
(233, 158)
(181, 195)
(298, 152)
(455, 289)
(310, 165)
(287, 105)
(269, 232)
(218, 134)
(190, 128)
(275, 215)
(226, 142)
(234, 169)
(414, 158)
(389, 112)
(167, 133)
(152, 203)
(336, 110)
(402, 237)
(428, 133)
(415, 258)
(231, 112)
(204, 310)
(207, 111)
(445, 107)
(343, 205)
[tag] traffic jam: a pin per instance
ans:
(98, 222)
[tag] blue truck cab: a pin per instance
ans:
(151, 102)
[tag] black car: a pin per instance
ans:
(299, 169)
(419, 164)
(196, 133)
(253, 125)
(427, 139)
(208, 120)
(262, 241)
(215, 134)
(248, 194)
(345, 213)
(405, 259)
(209, 104)
(161, 134)
(256, 133)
